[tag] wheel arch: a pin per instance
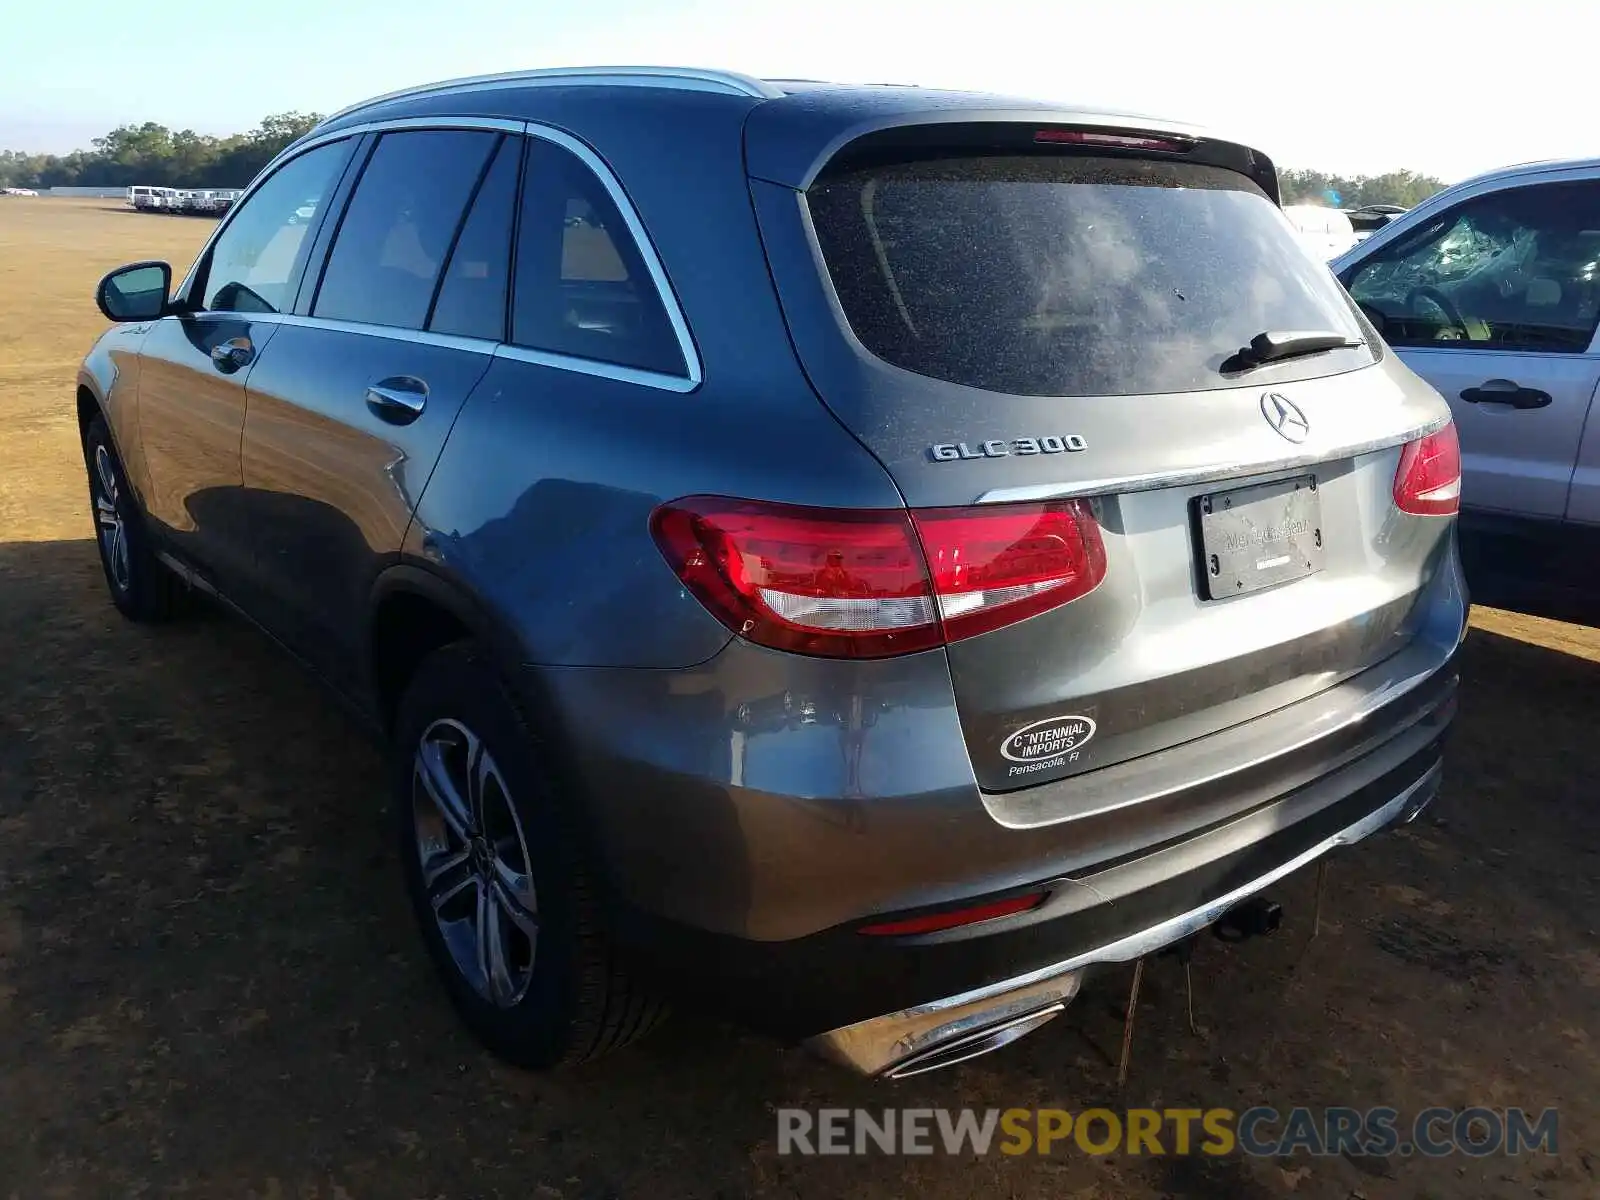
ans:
(90, 407)
(417, 610)
(94, 398)
(414, 611)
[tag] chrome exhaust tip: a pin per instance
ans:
(945, 1032)
(973, 1045)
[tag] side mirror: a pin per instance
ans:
(136, 292)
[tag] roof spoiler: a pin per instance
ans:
(785, 160)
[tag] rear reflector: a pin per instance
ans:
(955, 917)
(1120, 141)
(874, 583)
(1428, 480)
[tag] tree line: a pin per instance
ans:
(153, 154)
(1405, 188)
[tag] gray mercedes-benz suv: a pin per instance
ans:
(858, 557)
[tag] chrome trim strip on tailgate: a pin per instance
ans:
(1118, 484)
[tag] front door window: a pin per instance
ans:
(1513, 270)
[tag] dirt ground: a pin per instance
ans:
(210, 986)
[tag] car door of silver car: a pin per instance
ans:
(1494, 301)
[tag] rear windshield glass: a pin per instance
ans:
(1068, 275)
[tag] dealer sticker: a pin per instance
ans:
(1053, 742)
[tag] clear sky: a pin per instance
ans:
(1352, 86)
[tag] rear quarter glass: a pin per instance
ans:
(1067, 274)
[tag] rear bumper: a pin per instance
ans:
(944, 1031)
(868, 1001)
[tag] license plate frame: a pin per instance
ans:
(1260, 536)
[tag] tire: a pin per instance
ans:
(141, 586)
(544, 988)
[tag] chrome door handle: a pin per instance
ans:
(398, 400)
(232, 354)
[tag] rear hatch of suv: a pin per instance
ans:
(1109, 332)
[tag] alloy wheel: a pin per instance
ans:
(475, 864)
(109, 521)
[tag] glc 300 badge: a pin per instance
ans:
(1052, 443)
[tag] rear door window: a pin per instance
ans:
(582, 286)
(400, 225)
(472, 294)
(1070, 275)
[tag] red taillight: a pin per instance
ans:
(873, 583)
(1428, 481)
(811, 580)
(995, 565)
(1120, 141)
(955, 917)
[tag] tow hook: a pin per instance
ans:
(1255, 917)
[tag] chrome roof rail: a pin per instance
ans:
(729, 83)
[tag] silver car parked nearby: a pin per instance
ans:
(1490, 291)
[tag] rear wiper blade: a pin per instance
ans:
(1275, 345)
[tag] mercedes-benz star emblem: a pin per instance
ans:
(1284, 416)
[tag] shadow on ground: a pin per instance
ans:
(209, 981)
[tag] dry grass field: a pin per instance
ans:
(209, 984)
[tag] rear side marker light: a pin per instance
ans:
(955, 917)
(1428, 480)
(872, 583)
(1119, 141)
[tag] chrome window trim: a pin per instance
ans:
(394, 333)
(591, 366)
(694, 371)
(452, 341)
(694, 374)
(693, 79)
